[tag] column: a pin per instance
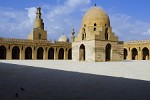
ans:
(46, 54)
(55, 54)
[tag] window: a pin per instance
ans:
(95, 24)
(40, 36)
(82, 36)
(94, 29)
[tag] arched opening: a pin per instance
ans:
(82, 53)
(108, 52)
(145, 53)
(40, 53)
(70, 54)
(95, 24)
(82, 36)
(94, 29)
(28, 53)
(125, 54)
(134, 54)
(2, 52)
(61, 54)
(106, 34)
(16, 53)
(51, 53)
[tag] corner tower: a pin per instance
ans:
(38, 32)
(95, 40)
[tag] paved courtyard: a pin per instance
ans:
(71, 80)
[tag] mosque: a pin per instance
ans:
(95, 42)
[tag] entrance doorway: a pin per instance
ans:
(82, 53)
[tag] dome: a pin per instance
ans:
(63, 38)
(95, 15)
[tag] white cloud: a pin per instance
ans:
(62, 18)
(127, 29)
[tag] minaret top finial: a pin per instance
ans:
(95, 4)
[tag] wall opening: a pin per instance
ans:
(134, 54)
(40, 53)
(125, 54)
(70, 54)
(108, 52)
(2, 52)
(16, 53)
(145, 53)
(61, 54)
(51, 53)
(82, 53)
(28, 53)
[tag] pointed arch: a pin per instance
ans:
(51, 53)
(28, 53)
(61, 54)
(16, 52)
(3, 52)
(69, 54)
(108, 52)
(145, 53)
(40, 53)
(134, 54)
(82, 53)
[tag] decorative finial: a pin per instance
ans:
(95, 4)
(73, 32)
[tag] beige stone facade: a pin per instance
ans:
(36, 46)
(137, 50)
(95, 41)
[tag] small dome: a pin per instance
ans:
(63, 38)
(95, 15)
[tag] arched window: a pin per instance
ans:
(82, 36)
(106, 34)
(94, 29)
(95, 24)
(125, 54)
(40, 36)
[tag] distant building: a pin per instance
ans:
(94, 42)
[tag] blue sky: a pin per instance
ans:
(130, 19)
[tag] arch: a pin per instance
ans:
(145, 53)
(82, 53)
(125, 53)
(134, 54)
(61, 54)
(3, 52)
(28, 53)
(108, 52)
(70, 54)
(82, 36)
(106, 34)
(51, 53)
(15, 52)
(40, 53)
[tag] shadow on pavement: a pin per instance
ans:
(48, 84)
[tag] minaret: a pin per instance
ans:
(73, 37)
(38, 32)
(38, 21)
